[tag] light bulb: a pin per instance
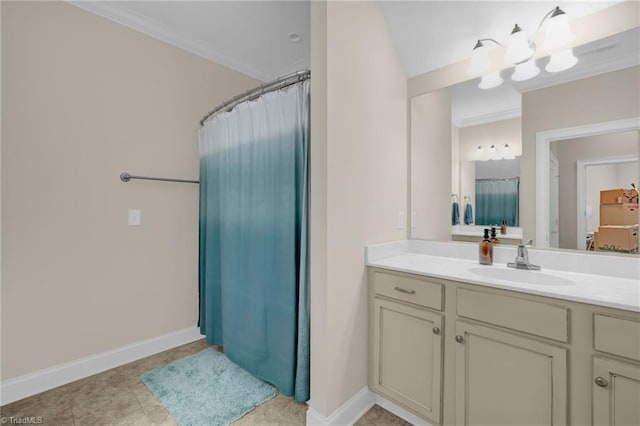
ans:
(480, 62)
(558, 32)
(525, 71)
(491, 80)
(518, 48)
(561, 61)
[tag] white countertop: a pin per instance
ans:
(617, 285)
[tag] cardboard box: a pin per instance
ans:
(621, 239)
(619, 196)
(618, 214)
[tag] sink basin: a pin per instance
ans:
(515, 276)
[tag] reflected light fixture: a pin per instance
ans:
(520, 52)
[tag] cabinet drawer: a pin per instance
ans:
(524, 315)
(408, 289)
(617, 336)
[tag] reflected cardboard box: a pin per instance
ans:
(619, 196)
(620, 239)
(618, 214)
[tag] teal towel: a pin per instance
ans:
(468, 214)
(455, 213)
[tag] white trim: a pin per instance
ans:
(581, 192)
(404, 414)
(352, 410)
(158, 30)
(490, 118)
(39, 381)
(347, 414)
(543, 140)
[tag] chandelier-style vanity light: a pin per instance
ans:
(520, 52)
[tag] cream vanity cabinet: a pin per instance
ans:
(616, 381)
(405, 339)
(463, 354)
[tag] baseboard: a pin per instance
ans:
(347, 414)
(39, 381)
(351, 411)
(403, 413)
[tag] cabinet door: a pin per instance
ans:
(616, 392)
(506, 379)
(407, 357)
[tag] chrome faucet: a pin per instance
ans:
(522, 258)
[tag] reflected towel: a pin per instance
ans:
(468, 214)
(455, 213)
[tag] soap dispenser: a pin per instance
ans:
(486, 249)
(494, 236)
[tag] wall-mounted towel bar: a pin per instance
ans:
(126, 177)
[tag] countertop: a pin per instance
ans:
(453, 263)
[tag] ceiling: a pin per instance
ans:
(247, 36)
(252, 36)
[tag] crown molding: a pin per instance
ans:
(489, 118)
(130, 19)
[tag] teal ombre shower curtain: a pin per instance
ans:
(497, 200)
(254, 206)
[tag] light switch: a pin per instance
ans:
(401, 219)
(413, 220)
(134, 217)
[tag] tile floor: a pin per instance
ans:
(118, 397)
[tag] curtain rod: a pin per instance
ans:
(277, 84)
(126, 177)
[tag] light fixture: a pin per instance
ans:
(520, 52)
(479, 59)
(294, 37)
(561, 61)
(558, 32)
(493, 152)
(481, 154)
(518, 49)
(525, 71)
(491, 80)
(507, 154)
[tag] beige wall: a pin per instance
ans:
(431, 140)
(85, 99)
(359, 181)
(601, 98)
(589, 148)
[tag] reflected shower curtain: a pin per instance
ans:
(254, 204)
(497, 200)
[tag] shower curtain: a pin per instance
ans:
(254, 206)
(497, 200)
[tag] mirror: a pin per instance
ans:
(565, 136)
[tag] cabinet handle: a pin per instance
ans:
(402, 290)
(436, 330)
(459, 339)
(602, 382)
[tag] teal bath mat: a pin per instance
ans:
(207, 389)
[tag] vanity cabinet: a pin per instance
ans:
(616, 375)
(456, 353)
(507, 379)
(406, 343)
(616, 392)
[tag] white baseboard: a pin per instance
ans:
(347, 414)
(39, 381)
(351, 411)
(403, 413)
